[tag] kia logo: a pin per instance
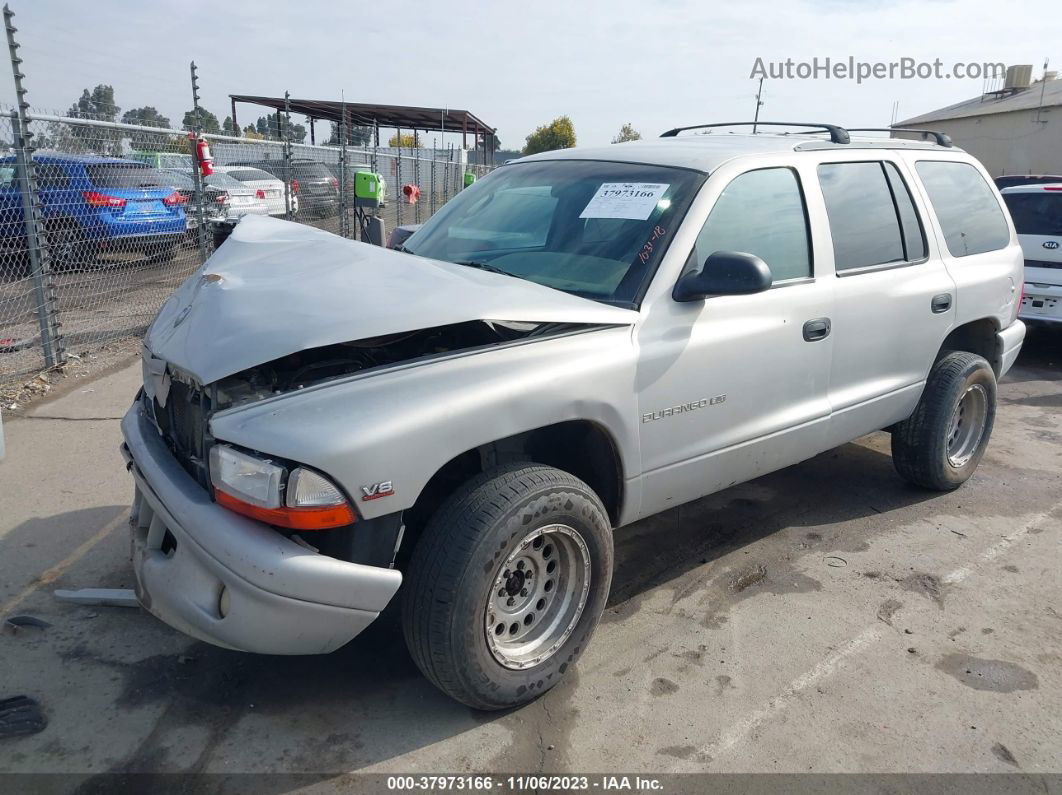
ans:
(1051, 244)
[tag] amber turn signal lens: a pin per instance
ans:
(310, 518)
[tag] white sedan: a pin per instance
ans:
(266, 187)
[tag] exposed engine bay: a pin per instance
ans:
(315, 365)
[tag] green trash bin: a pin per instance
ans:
(469, 178)
(368, 189)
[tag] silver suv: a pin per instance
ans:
(579, 340)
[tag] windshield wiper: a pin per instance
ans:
(486, 266)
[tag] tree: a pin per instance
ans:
(558, 134)
(250, 132)
(356, 135)
(98, 105)
(147, 116)
(228, 127)
(627, 133)
(206, 118)
(268, 127)
(406, 141)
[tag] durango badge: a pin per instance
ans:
(374, 491)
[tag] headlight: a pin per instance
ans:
(254, 487)
(244, 476)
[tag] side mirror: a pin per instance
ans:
(725, 273)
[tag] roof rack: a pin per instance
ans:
(838, 135)
(942, 139)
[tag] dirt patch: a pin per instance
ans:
(748, 577)
(888, 609)
(998, 676)
(678, 751)
(1003, 753)
(927, 585)
(663, 687)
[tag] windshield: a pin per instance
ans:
(1037, 213)
(592, 228)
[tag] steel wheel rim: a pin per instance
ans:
(537, 596)
(967, 426)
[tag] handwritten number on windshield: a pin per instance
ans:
(647, 250)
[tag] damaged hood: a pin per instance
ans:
(277, 287)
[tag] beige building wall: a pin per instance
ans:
(1010, 143)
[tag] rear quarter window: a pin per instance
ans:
(968, 212)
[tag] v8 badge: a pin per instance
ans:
(374, 491)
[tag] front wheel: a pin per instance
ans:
(939, 446)
(507, 585)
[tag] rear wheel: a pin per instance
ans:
(939, 446)
(68, 249)
(507, 584)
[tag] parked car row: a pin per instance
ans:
(95, 206)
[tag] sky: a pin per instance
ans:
(653, 63)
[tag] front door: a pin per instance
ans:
(735, 386)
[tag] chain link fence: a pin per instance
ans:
(118, 217)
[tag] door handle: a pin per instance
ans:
(817, 329)
(940, 303)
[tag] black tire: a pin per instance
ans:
(925, 446)
(68, 249)
(453, 571)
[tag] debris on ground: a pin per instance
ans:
(13, 624)
(20, 715)
(107, 597)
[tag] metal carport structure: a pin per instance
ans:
(398, 117)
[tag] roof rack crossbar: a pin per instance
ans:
(838, 135)
(942, 139)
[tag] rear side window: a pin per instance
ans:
(1037, 213)
(125, 175)
(760, 212)
(872, 217)
(969, 215)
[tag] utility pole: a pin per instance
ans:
(759, 104)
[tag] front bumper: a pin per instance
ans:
(188, 552)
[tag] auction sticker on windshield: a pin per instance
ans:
(631, 200)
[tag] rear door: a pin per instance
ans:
(894, 302)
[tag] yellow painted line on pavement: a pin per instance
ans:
(52, 574)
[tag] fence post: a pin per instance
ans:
(40, 265)
(286, 132)
(200, 210)
(344, 231)
(433, 153)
